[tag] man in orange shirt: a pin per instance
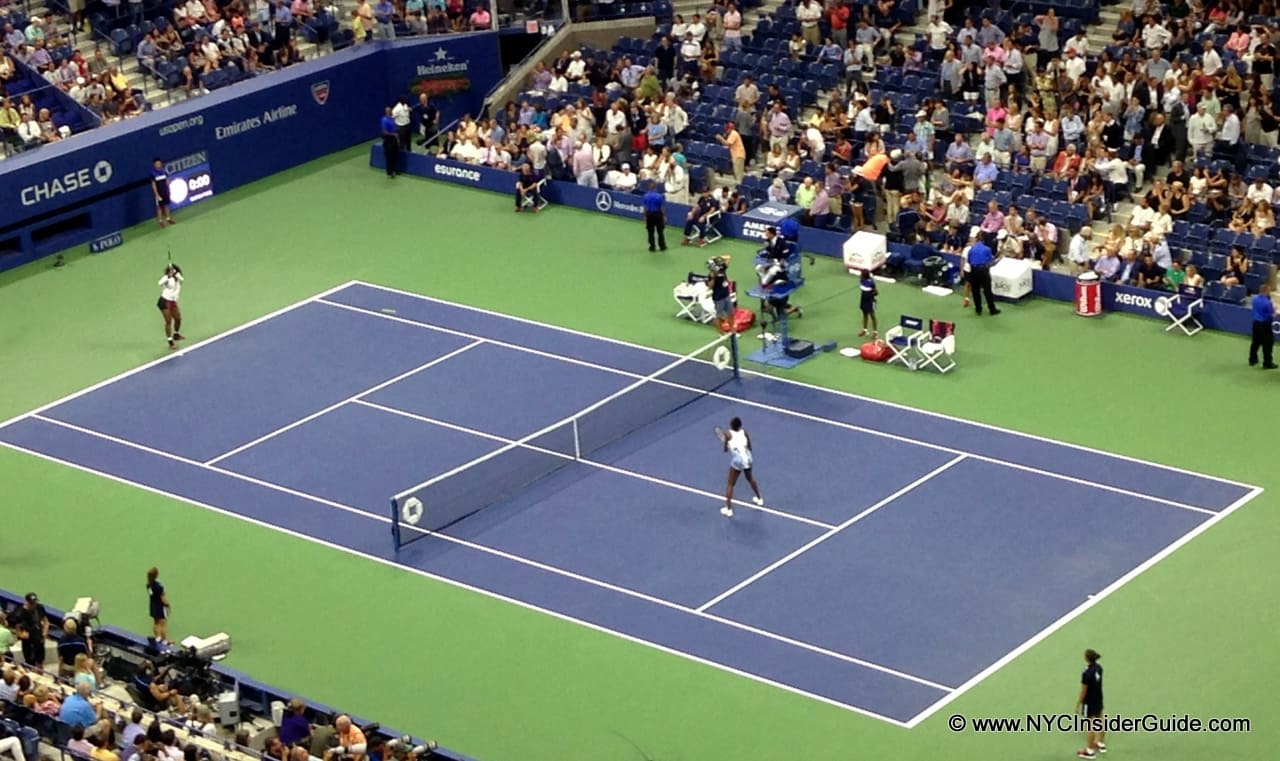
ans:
(872, 168)
(351, 741)
(737, 151)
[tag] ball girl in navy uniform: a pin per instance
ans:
(867, 294)
(159, 604)
(160, 188)
(1089, 705)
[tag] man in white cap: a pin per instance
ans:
(576, 71)
(78, 92)
(622, 178)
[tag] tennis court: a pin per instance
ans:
(901, 556)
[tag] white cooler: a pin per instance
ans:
(865, 251)
(1011, 278)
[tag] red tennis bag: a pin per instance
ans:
(876, 351)
(740, 322)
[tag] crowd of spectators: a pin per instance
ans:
(26, 116)
(54, 686)
(1170, 117)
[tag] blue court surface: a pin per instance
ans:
(900, 558)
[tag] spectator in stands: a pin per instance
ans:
(105, 744)
(1201, 129)
(480, 19)
(1236, 269)
(690, 54)
(77, 745)
(9, 121)
(86, 670)
(985, 173)
(133, 728)
(779, 125)
(1108, 263)
(78, 709)
(809, 13)
(1150, 274)
(1260, 191)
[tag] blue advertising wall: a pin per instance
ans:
(76, 190)
(1216, 315)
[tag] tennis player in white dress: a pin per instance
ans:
(738, 444)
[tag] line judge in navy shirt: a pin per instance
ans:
(390, 142)
(1264, 314)
(980, 258)
(655, 217)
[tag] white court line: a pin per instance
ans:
(378, 517)
(490, 341)
(798, 414)
(847, 394)
(592, 463)
(354, 397)
(459, 585)
(177, 354)
(775, 565)
(1063, 620)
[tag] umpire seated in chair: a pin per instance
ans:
(777, 275)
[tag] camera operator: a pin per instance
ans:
(400, 750)
(155, 691)
(294, 728)
(350, 743)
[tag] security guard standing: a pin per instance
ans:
(980, 258)
(390, 142)
(655, 217)
(1264, 314)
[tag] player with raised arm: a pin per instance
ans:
(170, 288)
(738, 444)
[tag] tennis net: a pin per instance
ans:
(451, 496)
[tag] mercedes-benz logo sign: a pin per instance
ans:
(604, 201)
(1162, 306)
(102, 171)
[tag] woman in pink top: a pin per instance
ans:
(996, 113)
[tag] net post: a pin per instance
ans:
(395, 524)
(733, 353)
(577, 443)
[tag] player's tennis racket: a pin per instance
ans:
(722, 434)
